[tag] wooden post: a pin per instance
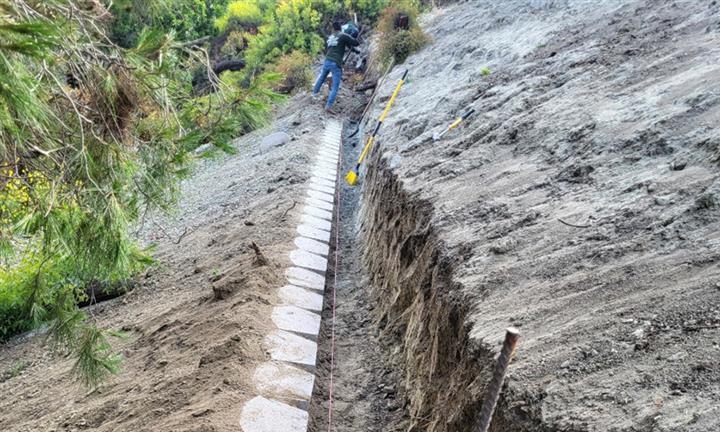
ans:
(492, 394)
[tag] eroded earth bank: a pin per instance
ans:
(580, 203)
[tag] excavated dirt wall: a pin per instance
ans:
(418, 309)
(422, 313)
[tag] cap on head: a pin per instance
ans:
(336, 26)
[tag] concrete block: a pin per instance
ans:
(313, 233)
(318, 213)
(327, 157)
(323, 205)
(312, 246)
(322, 181)
(308, 260)
(283, 381)
(314, 222)
(300, 297)
(306, 278)
(322, 196)
(289, 347)
(321, 165)
(321, 188)
(294, 319)
(267, 415)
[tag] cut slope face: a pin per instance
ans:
(581, 203)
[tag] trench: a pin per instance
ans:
(364, 396)
(403, 357)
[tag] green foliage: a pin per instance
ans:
(188, 19)
(397, 43)
(30, 38)
(387, 21)
(240, 105)
(17, 368)
(80, 163)
(96, 359)
(14, 310)
(485, 71)
(241, 14)
(296, 67)
(366, 9)
(293, 25)
(235, 44)
(37, 288)
(93, 134)
(251, 102)
(401, 44)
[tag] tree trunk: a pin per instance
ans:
(231, 65)
(97, 292)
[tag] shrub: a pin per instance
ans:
(401, 44)
(388, 18)
(241, 14)
(296, 70)
(235, 44)
(14, 316)
(397, 42)
(30, 286)
(247, 104)
(368, 9)
(294, 25)
(286, 26)
(188, 19)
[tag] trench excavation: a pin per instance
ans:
(403, 359)
(363, 395)
(421, 315)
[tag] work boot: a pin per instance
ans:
(330, 111)
(315, 97)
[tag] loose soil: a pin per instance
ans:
(195, 323)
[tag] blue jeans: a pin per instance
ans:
(329, 66)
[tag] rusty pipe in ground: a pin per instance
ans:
(512, 335)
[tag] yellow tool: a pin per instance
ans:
(352, 175)
(456, 123)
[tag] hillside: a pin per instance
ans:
(580, 203)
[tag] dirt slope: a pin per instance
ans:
(603, 115)
(189, 356)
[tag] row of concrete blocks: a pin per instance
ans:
(284, 385)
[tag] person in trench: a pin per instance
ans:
(337, 44)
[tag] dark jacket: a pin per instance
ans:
(336, 45)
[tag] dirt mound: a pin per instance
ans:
(251, 270)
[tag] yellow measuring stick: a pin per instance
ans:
(352, 175)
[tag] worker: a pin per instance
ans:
(337, 43)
